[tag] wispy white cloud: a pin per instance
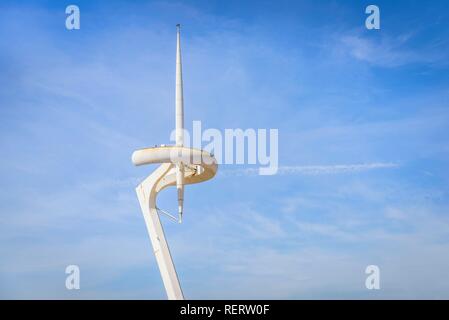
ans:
(388, 51)
(385, 54)
(317, 169)
(316, 257)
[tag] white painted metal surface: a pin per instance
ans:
(179, 92)
(179, 166)
(179, 122)
(146, 192)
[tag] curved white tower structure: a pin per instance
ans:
(179, 166)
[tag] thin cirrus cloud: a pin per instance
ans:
(390, 51)
(317, 169)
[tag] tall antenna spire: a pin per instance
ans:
(179, 93)
(179, 123)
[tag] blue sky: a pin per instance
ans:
(75, 104)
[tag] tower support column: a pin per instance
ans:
(146, 193)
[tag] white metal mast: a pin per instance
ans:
(179, 123)
(179, 91)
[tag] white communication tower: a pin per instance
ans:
(179, 166)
